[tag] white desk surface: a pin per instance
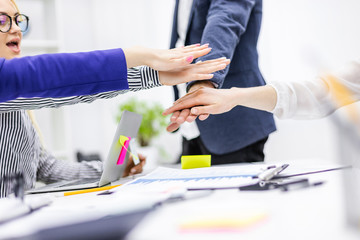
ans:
(310, 213)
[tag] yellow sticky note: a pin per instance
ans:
(123, 139)
(195, 161)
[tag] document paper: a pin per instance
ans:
(200, 178)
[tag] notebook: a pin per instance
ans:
(115, 163)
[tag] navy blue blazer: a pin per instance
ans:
(63, 74)
(231, 27)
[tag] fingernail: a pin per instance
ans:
(133, 170)
(189, 59)
(194, 111)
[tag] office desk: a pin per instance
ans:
(309, 213)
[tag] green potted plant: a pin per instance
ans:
(153, 122)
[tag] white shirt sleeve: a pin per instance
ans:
(312, 98)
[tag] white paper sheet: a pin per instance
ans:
(164, 178)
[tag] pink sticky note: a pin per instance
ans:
(123, 152)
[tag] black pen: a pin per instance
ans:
(299, 185)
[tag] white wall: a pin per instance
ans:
(116, 24)
(299, 38)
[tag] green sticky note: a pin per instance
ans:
(195, 161)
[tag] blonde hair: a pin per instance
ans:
(15, 5)
(29, 112)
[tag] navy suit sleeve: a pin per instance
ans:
(226, 22)
(63, 74)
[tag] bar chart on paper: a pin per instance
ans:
(200, 178)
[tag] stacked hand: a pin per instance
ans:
(198, 71)
(165, 59)
(203, 100)
(174, 59)
(174, 68)
(174, 65)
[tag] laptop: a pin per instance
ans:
(115, 163)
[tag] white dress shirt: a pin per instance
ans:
(313, 99)
(183, 20)
(188, 130)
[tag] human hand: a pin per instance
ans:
(165, 59)
(215, 101)
(198, 71)
(182, 109)
(204, 101)
(132, 169)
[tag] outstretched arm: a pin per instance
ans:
(226, 22)
(139, 78)
(74, 74)
(63, 74)
(205, 100)
(217, 101)
(299, 100)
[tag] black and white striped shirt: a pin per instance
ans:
(20, 147)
